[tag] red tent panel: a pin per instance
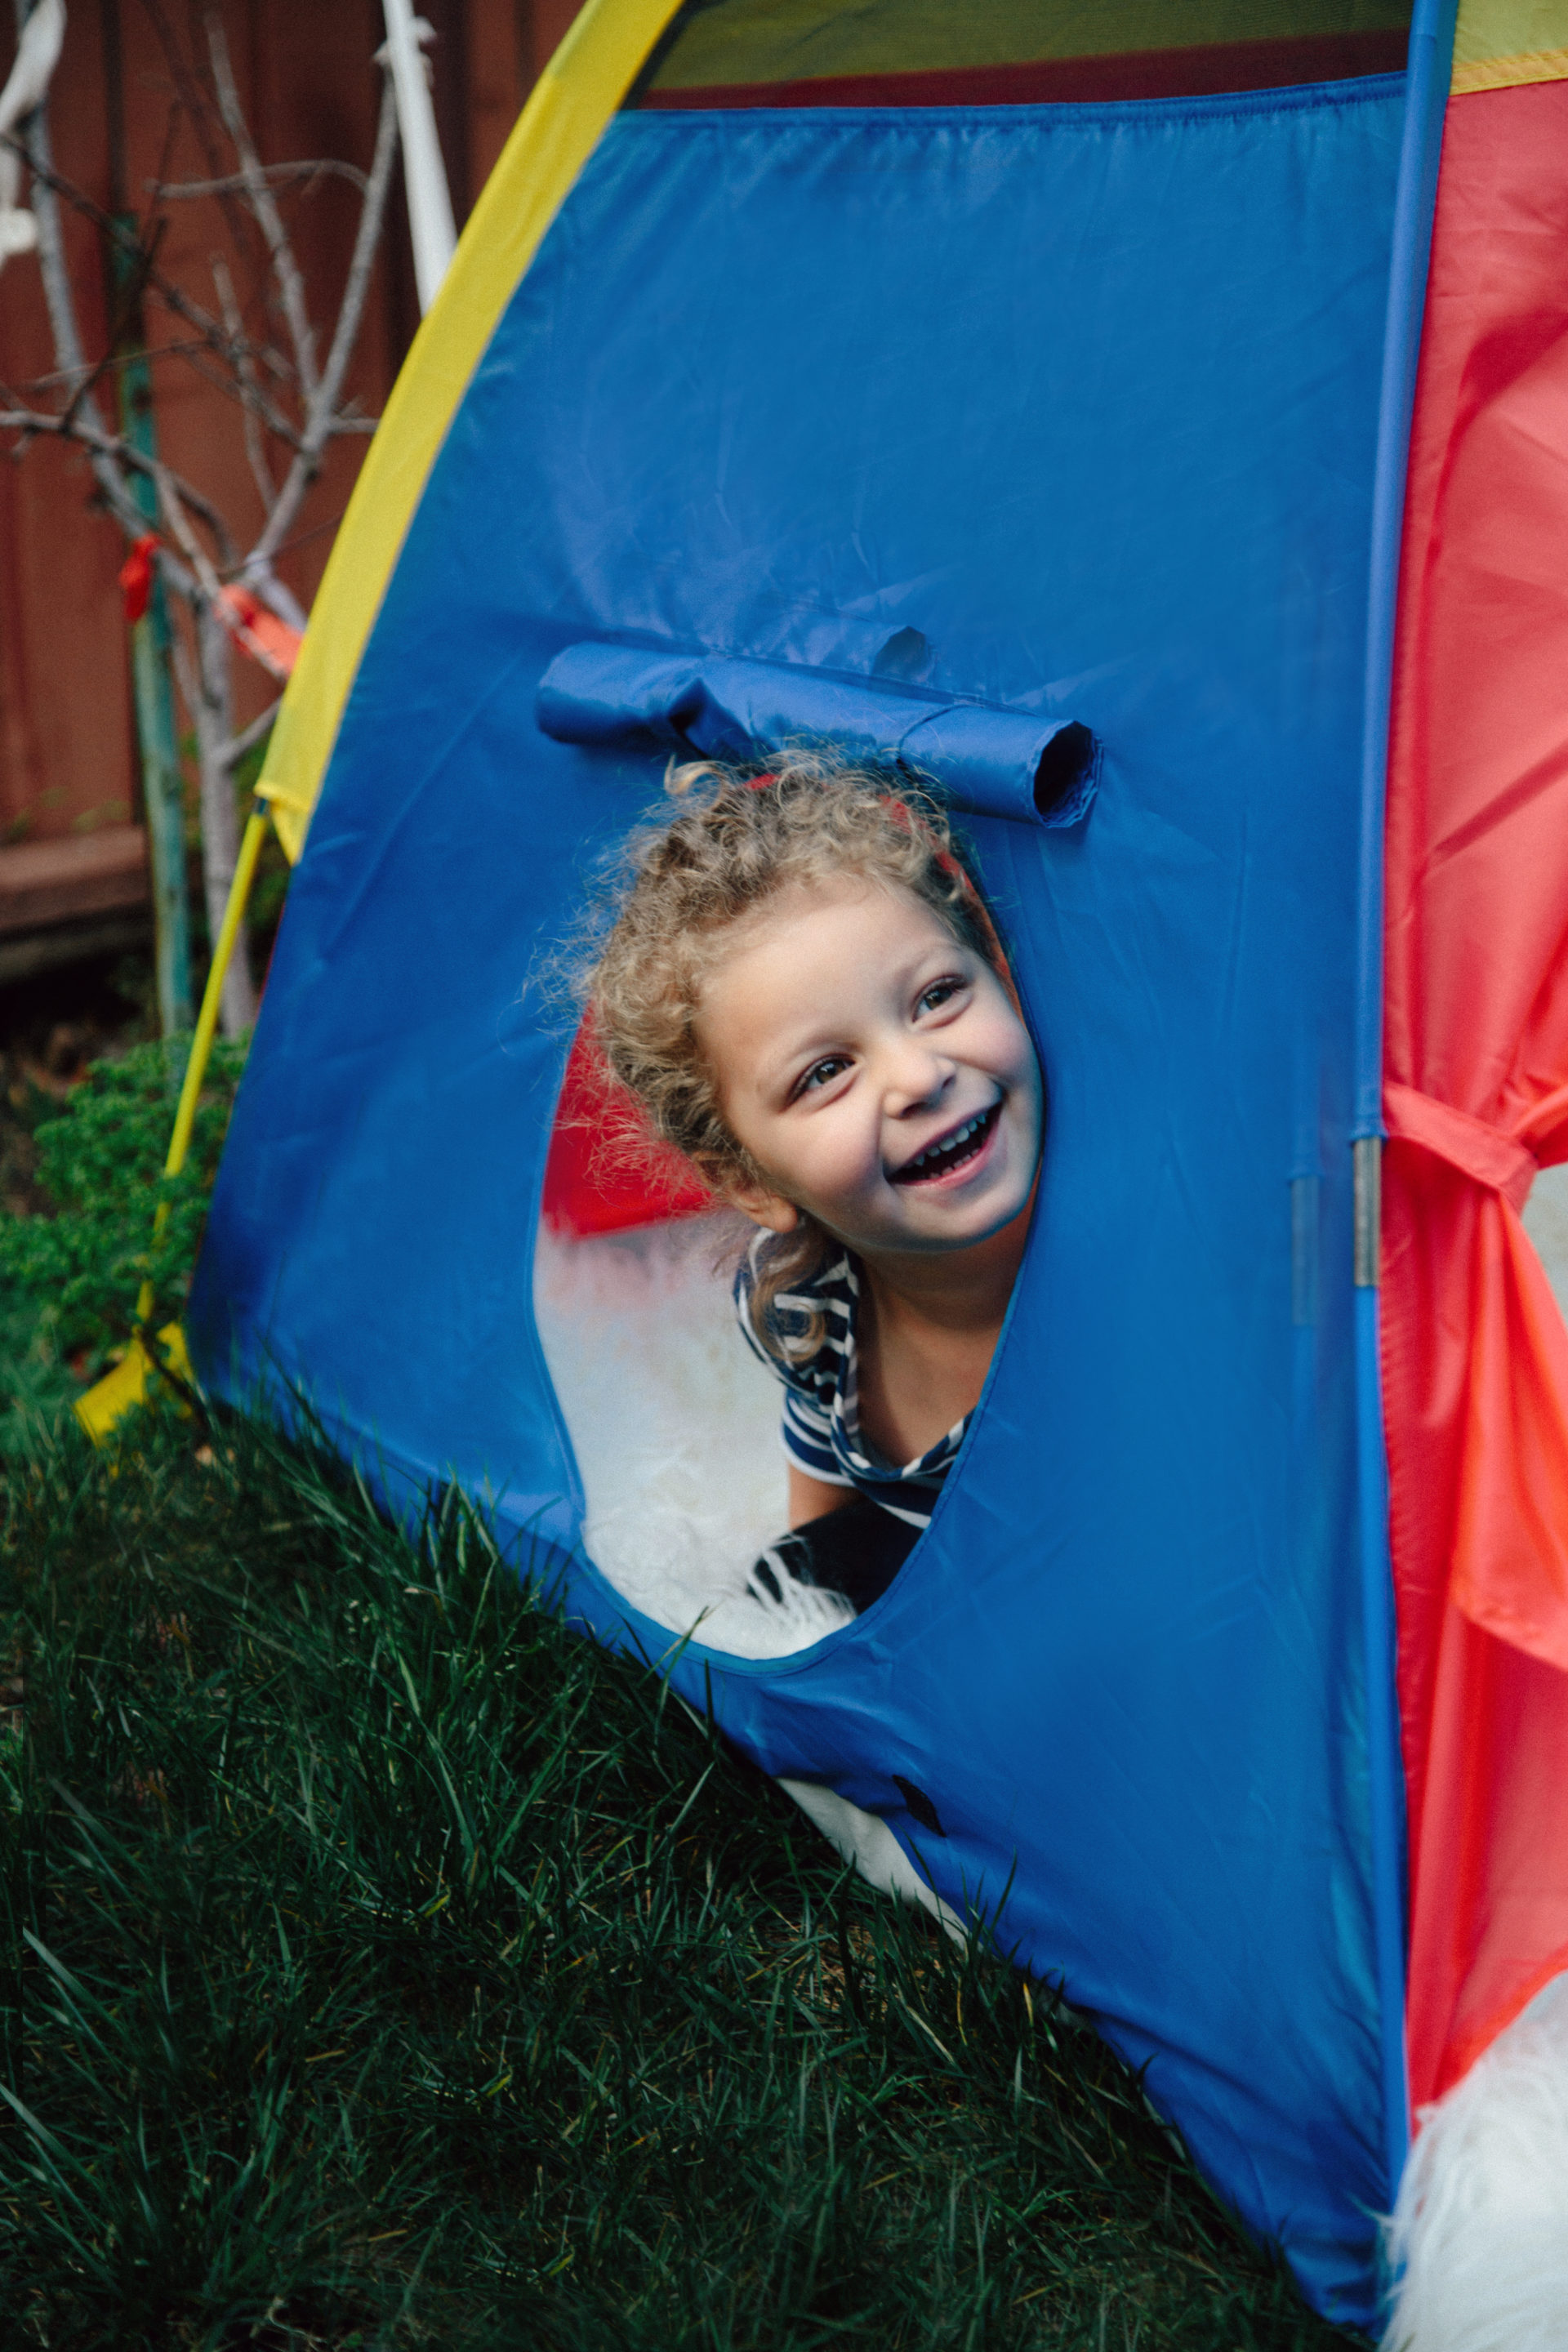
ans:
(1474, 1351)
(603, 1172)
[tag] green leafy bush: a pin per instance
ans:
(81, 1264)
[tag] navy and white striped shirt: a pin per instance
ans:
(821, 1429)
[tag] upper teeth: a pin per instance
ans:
(953, 1142)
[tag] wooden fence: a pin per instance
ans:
(70, 849)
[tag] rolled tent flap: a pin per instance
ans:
(990, 762)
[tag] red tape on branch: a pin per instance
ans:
(136, 576)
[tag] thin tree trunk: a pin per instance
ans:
(214, 716)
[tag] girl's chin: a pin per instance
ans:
(981, 1222)
(952, 1220)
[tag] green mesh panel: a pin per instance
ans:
(737, 41)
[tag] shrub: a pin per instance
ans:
(80, 1264)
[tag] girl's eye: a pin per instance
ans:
(938, 993)
(820, 1073)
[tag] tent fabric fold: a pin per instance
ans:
(1475, 1350)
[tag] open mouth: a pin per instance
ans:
(950, 1151)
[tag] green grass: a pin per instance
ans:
(385, 1967)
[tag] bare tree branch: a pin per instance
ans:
(148, 356)
(89, 423)
(129, 296)
(322, 168)
(234, 326)
(34, 146)
(172, 501)
(321, 418)
(110, 450)
(249, 737)
(316, 530)
(210, 328)
(200, 116)
(290, 285)
(227, 342)
(232, 388)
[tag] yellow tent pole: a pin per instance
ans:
(206, 1019)
(126, 1385)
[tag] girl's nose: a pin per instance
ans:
(915, 1078)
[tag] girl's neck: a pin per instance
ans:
(926, 1333)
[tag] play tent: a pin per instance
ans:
(1042, 366)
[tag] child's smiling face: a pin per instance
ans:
(875, 1071)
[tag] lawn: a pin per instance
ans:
(385, 1967)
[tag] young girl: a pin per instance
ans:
(805, 994)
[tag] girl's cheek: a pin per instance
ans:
(1028, 1059)
(1012, 1056)
(854, 1163)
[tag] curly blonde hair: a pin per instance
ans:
(739, 838)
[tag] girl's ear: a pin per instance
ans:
(751, 1196)
(769, 1209)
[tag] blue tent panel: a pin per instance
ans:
(1088, 398)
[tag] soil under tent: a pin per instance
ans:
(974, 379)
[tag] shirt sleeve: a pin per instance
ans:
(807, 1434)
